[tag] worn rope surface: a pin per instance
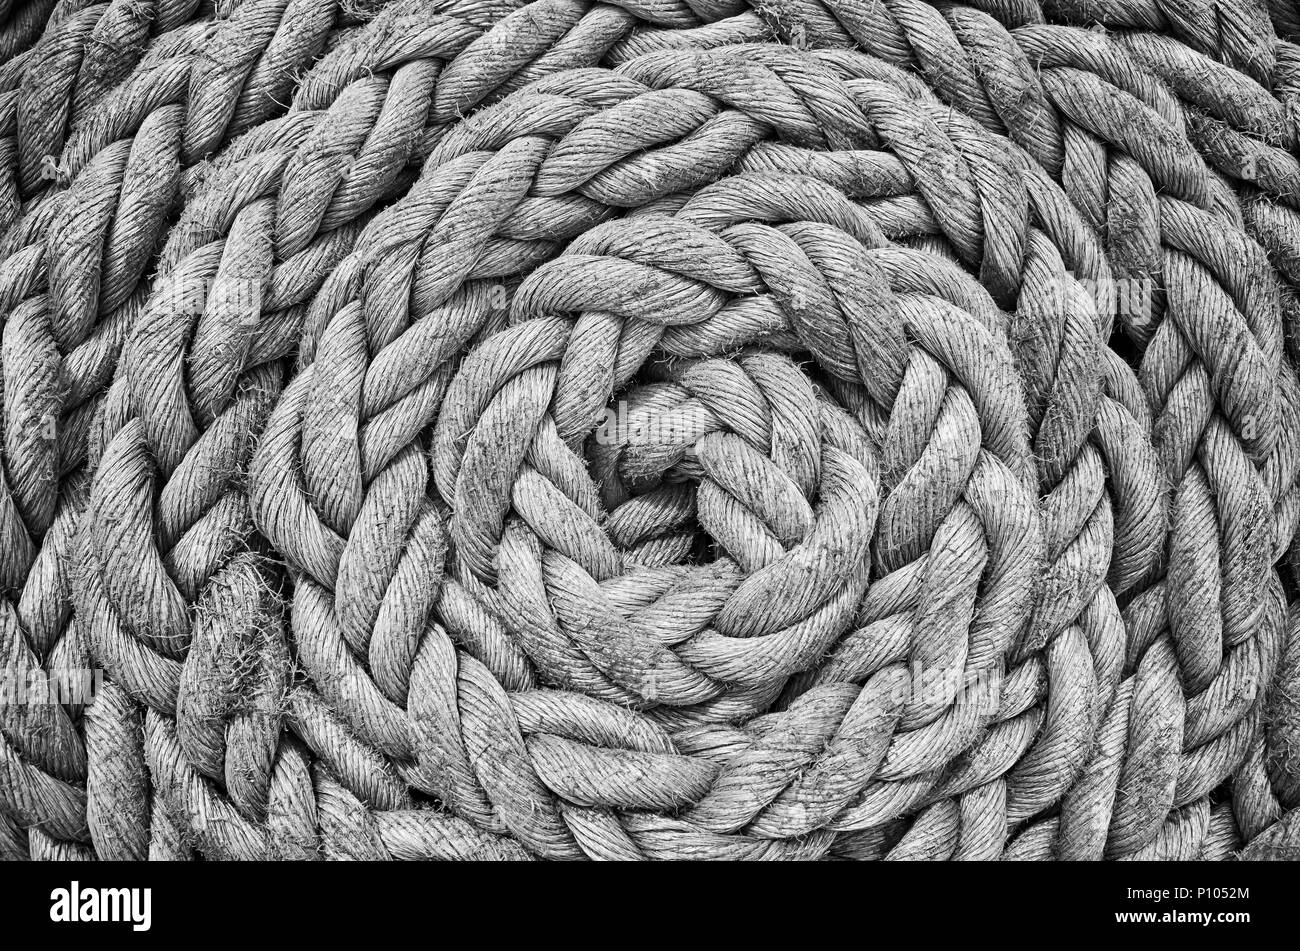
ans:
(653, 430)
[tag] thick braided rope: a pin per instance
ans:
(79, 59)
(71, 281)
(1058, 90)
(1079, 416)
(1014, 96)
(101, 233)
(1061, 337)
(616, 650)
(1127, 456)
(1070, 101)
(120, 229)
(1221, 85)
(286, 223)
(1120, 386)
(401, 413)
(1076, 636)
(1207, 774)
(59, 353)
(278, 464)
(21, 25)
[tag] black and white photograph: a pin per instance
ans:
(514, 431)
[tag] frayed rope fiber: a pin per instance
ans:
(806, 429)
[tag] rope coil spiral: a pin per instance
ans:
(649, 429)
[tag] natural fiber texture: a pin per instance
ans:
(476, 430)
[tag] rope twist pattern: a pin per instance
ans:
(649, 429)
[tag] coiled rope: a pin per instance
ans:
(651, 431)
